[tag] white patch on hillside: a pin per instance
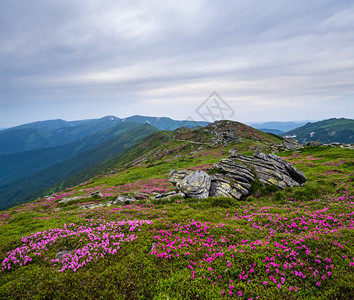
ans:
(312, 133)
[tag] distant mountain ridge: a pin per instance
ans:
(47, 134)
(326, 131)
(18, 165)
(274, 131)
(275, 125)
(164, 123)
(53, 133)
(57, 124)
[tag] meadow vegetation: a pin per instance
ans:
(295, 243)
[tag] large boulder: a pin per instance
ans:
(234, 170)
(291, 144)
(232, 177)
(294, 173)
(271, 169)
(195, 185)
(287, 143)
(223, 187)
(177, 176)
(124, 199)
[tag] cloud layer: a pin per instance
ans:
(270, 60)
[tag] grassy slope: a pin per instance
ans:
(214, 241)
(172, 150)
(327, 131)
(25, 188)
(18, 165)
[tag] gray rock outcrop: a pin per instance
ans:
(271, 169)
(168, 195)
(287, 143)
(291, 144)
(96, 194)
(177, 176)
(124, 199)
(195, 185)
(233, 176)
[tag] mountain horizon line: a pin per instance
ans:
(253, 123)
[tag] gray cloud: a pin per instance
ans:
(78, 59)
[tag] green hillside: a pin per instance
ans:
(47, 134)
(22, 189)
(327, 131)
(295, 243)
(18, 165)
(180, 142)
(53, 124)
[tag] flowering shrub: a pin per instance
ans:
(94, 240)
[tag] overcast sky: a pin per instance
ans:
(268, 59)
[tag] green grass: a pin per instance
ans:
(265, 225)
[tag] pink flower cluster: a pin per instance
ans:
(94, 240)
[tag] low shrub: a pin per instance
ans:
(222, 202)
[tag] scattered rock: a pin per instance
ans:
(96, 193)
(287, 143)
(91, 206)
(195, 185)
(153, 244)
(347, 146)
(140, 195)
(66, 200)
(124, 199)
(169, 195)
(291, 144)
(60, 254)
(312, 144)
(158, 196)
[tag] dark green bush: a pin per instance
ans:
(279, 196)
(191, 200)
(308, 192)
(176, 199)
(271, 189)
(222, 202)
(251, 198)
